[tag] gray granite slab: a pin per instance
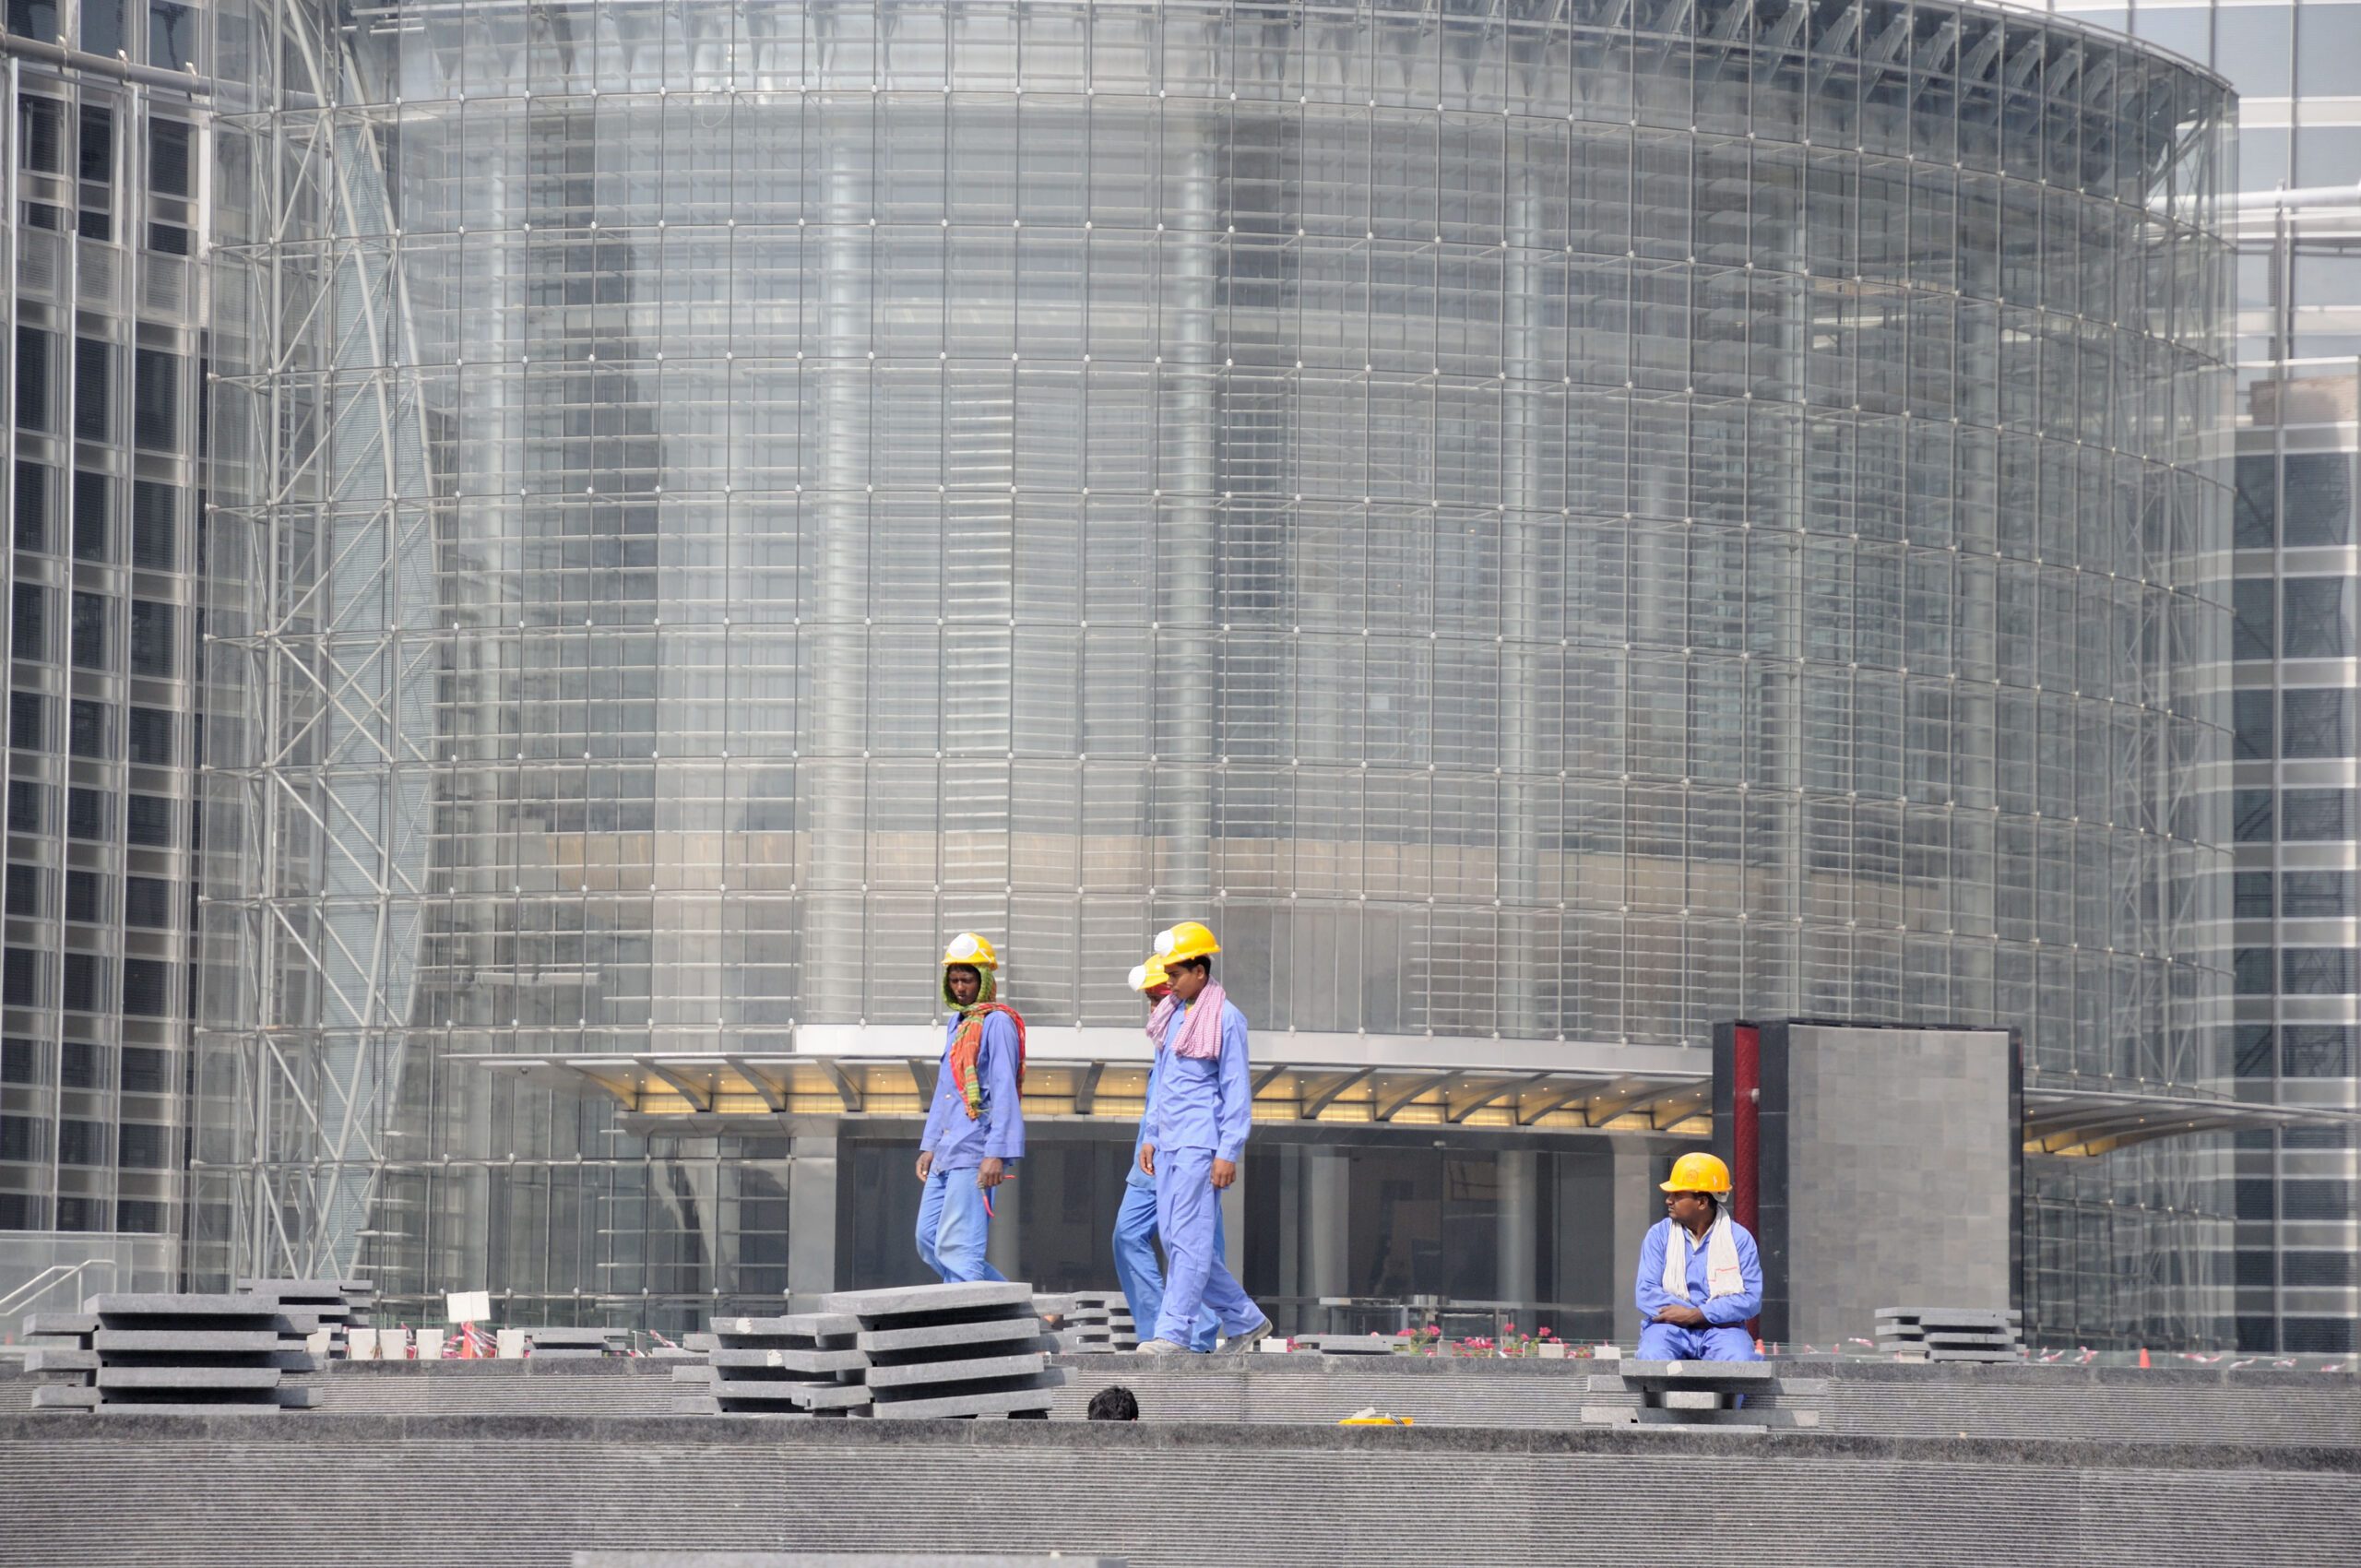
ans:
(1739, 1375)
(46, 1360)
(958, 1404)
(793, 1359)
(916, 1374)
(831, 1560)
(818, 1326)
(1347, 1344)
(61, 1322)
(897, 1341)
(188, 1377)
(800, 1396)
(65, 1396)
(907, 1300)
(193, 1341)
(173, 1305)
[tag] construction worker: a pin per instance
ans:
(1700, 1281)
(1194, 1137)
(975, 1130)
(1136, 1268)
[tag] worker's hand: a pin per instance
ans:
(1225, 1172)
(1147, 1160)
(926, 1163)
(1682, 1315)
(991, 1174)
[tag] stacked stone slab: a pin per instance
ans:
(969, 1349)
(1666, 1395)
(1110, 1314)
(803, 1365)
(1081, 1321)
(832, 1560)
(175, 1354)
(1950, 1334)
(340, 1305)
(576, 1343)
(1346, 1344)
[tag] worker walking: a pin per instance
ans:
(1136, 1268)
(1194, 1137)
(975, 1130)
(1701, 1280)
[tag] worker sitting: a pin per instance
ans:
(1701, 1279)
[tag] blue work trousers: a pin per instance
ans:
(954, 1227)
(1670, 1342)
(1139, 1273)
(1188, 1218)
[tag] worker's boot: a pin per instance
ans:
(1240, 1344)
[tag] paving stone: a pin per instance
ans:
(798, 1396)
(171, 1304)
(818, 1330)
(65, 1396)
(925, 1373)
(1742, 1376)
(793, 1359)
(692, 1374)
(830, 1560)
(46, 1360)
(999, 1403)
(188, 1377)
(189, 1341)
(899, 1341)
(913, 1300)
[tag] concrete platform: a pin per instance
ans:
(143, 1490)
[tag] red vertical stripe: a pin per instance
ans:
(1746, 1110)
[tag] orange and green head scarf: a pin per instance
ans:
(969, 1044)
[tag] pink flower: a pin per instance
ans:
(1546, 1333)
(1401, 1334)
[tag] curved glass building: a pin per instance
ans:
(1548, 525)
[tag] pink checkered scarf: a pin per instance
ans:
(1200, 1028)
(1160, 1019)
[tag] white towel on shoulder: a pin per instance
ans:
(1723, 1276)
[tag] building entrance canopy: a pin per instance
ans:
(1101, 1074)
(871, 1071)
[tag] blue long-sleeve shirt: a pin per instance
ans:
(1201, 1104)
(956, 1143)
(1720, 1311)
(1135, 1177)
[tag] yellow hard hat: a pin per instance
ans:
(1149, 975)
(1697, 1173)
(972, 950)
(1189, 939)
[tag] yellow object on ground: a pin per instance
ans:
(1697, 1173)
(1368, 1416)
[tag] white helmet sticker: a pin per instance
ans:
(1139, 977)
(964, 945)
(1165, 938)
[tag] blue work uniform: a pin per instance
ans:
(1137, 1270)
(1201, 1111)
(955, 1221)
(1725, 1336)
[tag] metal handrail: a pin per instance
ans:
(49, 1279)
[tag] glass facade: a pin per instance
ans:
(2297, 68)
(102, 178)
(1543, 522)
